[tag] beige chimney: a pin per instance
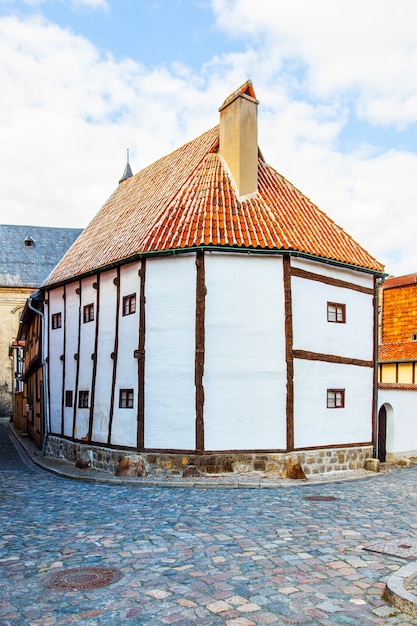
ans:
(239, 138)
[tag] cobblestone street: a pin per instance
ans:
(206, 556)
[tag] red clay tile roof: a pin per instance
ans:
(399, 281)
(187, 199)
(401, 351)
(403, 386)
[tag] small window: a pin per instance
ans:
(88, 313)
(335, 398)
(68, 398)
(336, 312)
(83, 399)
(126, 399)
(56, 320)
(129, 304)
(414, 337)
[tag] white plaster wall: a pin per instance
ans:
(314, 423)
(56, 349)
(124, 425)
(170, 350)
(72, 307)
(313, 332)
(87, 344)
(245, 371)
(401, 437)
(105, 347)
(364, 279)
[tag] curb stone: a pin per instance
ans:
(65, 469)
(396, 594)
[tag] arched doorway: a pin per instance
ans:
(381, 449)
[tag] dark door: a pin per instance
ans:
(382, 433)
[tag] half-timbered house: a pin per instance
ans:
(211, 314)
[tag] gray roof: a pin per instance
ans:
(29, 253)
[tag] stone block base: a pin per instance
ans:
(317, 461)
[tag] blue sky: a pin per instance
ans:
(82, 80)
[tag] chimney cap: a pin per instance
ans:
(246, 91)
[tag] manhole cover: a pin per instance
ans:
(83, 578)
(321, 498)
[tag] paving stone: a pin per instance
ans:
(206, 557)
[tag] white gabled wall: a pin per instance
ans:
(124, 425)
(85, 362)
(56, 349)
(105, 347)
(314, 423)
(245, 371)
(401, 431)
(170, 352)
(349, 275)
(72, 307)
(312, 331)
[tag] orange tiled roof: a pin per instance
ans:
(187, 199)
(399, 281)
(403, 386)
(401, 351)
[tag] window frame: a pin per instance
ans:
(56, 320)
(88, 313)
(69, 398)
(129, 304)
(338, 307)
(334, 404)
(126, 399)
(83, 399)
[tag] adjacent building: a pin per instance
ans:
(27, 256)
(397, 369)
(212, 315)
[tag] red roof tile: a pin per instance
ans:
(188, 199)
(403, 386)
(399, 281)
(401, 351)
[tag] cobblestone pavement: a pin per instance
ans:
(196, 556)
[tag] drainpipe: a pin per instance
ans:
(45, 374)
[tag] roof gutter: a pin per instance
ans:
(137, 256)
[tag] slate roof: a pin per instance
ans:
(29, 265)
(398, 351)
(187, 199)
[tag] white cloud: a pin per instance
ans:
(75, 4)
(90, 4)
(68, 113)
(367, 50)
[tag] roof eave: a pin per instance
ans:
(137, 256)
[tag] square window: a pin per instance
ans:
(336, 312)
(83, 399)
(88, 313)
(68, 398)
(129, 304)
(335, 398)
(126, 399)
(56, 320)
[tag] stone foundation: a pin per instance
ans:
(394, 457)
(267, 464)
